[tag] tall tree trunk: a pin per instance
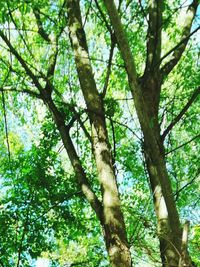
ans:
(168, 224)
(113, 221)
(146, 94)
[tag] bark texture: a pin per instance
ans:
(113, 221)
(146, 95)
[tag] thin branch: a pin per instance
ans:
(180, 115)
(22, 61)
(103, 17)
(23, 234)
(24, 91)
(179, 44)
(143, 11)
(78, 117)
(5, 116)
(127, 127)
(182, 145)
(6, 124)
(186, 185)
(19, 32)
(57, 204)
(41, 30)
(180, 48)
(114, 140)
(87, 13)
(109, 67)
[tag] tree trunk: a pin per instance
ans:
(168, 226)
(146, 93)
(113, 221)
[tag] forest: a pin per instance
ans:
(99, 133)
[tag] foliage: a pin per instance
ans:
(42, 209)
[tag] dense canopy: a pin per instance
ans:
(99, 136)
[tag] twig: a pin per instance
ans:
(109, 67)
(184, 144)
(182, 112)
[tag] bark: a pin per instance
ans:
(154, 35)
(177, 52)
(146, 95)
(113, 222)
(168, 225)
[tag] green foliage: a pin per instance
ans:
(42, 210)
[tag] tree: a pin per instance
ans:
(39, 71)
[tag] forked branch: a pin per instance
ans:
(180, 48)
(182, 112)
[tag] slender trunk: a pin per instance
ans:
(113, 221)
(169, 230)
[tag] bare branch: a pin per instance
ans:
(180, 48)
(128, 128)
(182, 112)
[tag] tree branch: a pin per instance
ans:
(103, 17)
(180, 115)
(6, 124)
(123, 44)
(154, 34)
(22, 62)
(41, 30)
(75, 160)
(180, 48)
(108, 67)
(182, 145)
(186, 185)
(26, 91)
(19, 32)
(179, 44)
(60, 122)
(20, 249)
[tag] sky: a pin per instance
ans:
(42, 263)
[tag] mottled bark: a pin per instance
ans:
(146, 94)
(113, 223)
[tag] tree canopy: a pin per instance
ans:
(99, 154)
